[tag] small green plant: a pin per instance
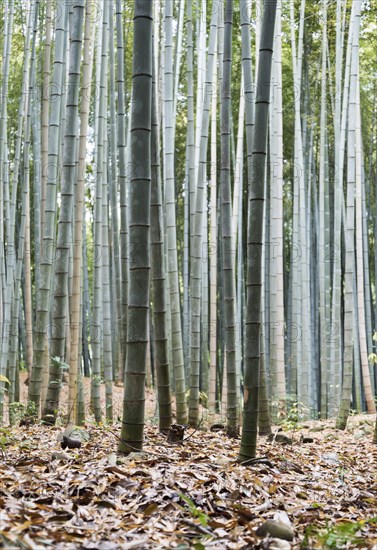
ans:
(5, 438)
(295, 412)
(31, 409)
(337, 536)
(372, 358)
(16, 411)
(57, 361)
(61, 365)
(317, 504)
(342, 474)
(203, 397)
(194, 511)
(5, 380)
(23, 413)
(22, 366)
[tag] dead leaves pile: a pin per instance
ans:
(190, 495)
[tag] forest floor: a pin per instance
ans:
(320, 489)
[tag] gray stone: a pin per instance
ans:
(59, 455)
(279, 544)
(276, 529)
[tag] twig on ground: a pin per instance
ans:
(197, 526)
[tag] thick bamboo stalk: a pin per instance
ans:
(65, 232)
(159, 278)
(171, 227)
(276, 324)
(76, 309)
(213, 254)
(139, 231)
(42, 328)
(227, 243)
(255, 231)
(196, 256)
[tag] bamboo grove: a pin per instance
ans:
(188, 194)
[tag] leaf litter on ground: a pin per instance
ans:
(189, 495)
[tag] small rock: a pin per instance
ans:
(217, 427)
(112, 459)
(276, 529)
(176, 433)
(279, 544)
(331, 458)
(281, 516)
(58, 455)
(317, 428)
(331, 437)
(27, 421)
(280, 438)
(74, 432)
(368, 429)
(224, 461)
(139, 457)
(307, 439)
(77, 433)
(69, 443)
(27, 444)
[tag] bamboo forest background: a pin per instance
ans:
(231, 214)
